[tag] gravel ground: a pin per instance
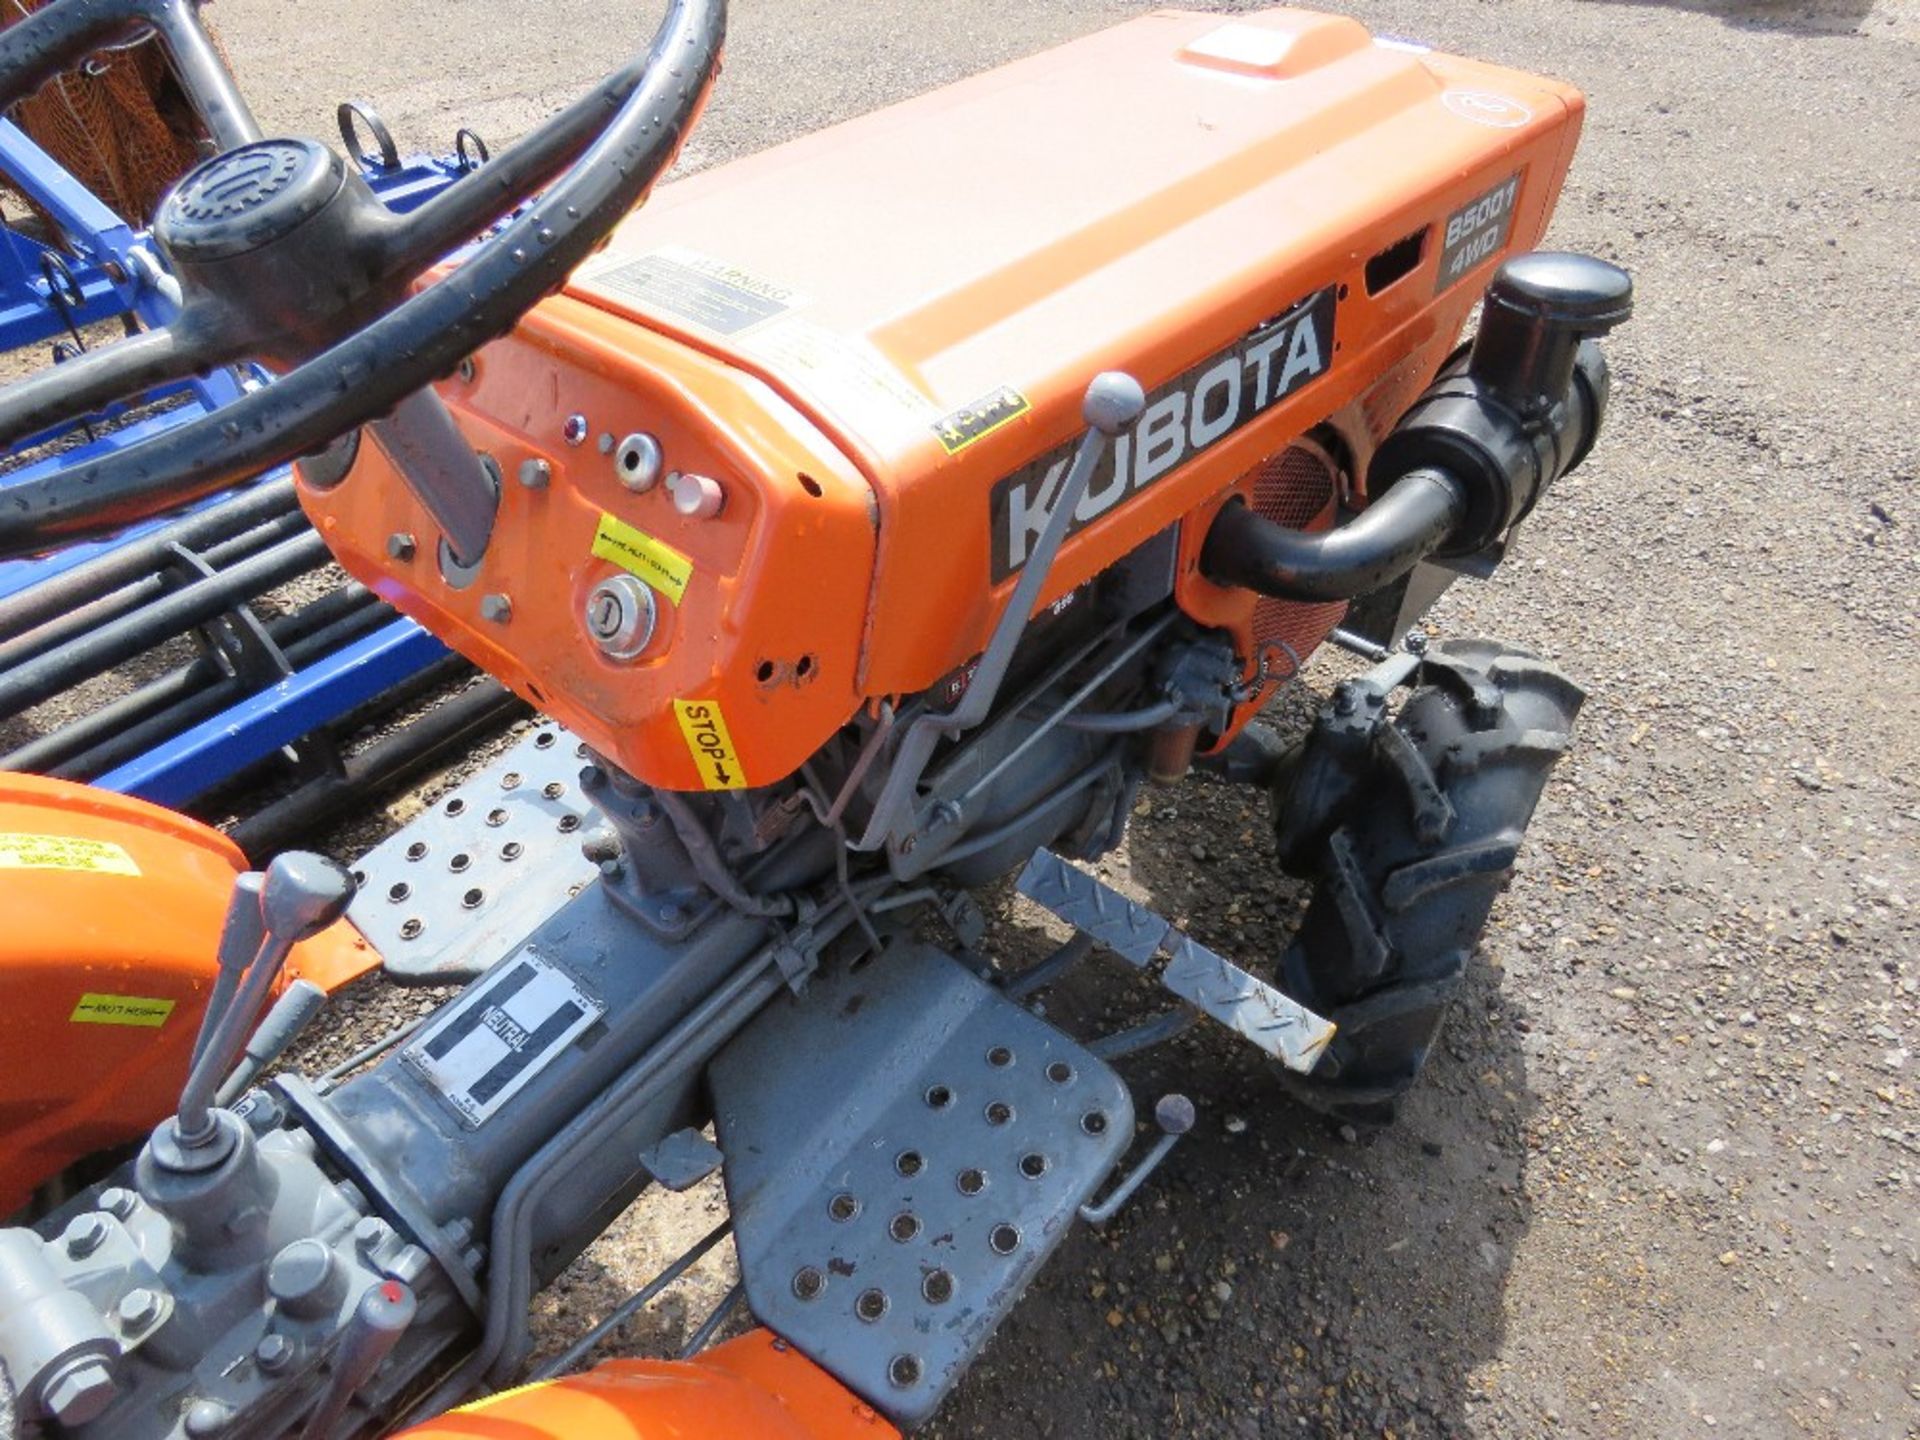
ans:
(1662, 1179)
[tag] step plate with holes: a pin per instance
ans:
(904, 1147)
(456, 888)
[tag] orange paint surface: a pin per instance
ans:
(862, 333)
(752, 1388)
(113, 909)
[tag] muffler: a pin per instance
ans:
(1516, 411)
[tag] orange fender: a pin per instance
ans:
(112, 912)
(754, 1388)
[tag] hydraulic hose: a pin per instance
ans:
(1388, 538)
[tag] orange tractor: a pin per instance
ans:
(878, 514)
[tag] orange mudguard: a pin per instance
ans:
(113, 909)
(754, 1388)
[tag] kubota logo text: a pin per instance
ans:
(1182, 418)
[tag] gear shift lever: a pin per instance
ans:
(300, 895)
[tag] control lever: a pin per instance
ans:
(379, 1320)
(291, 1014)
(1174, 1114)
(1113, 401)
(300, 895)
(239, 939)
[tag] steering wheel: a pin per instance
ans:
(286, 257)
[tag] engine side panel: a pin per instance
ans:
(948, 273)
(876, 339)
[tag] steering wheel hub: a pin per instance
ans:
(286, 258)
(248, 197)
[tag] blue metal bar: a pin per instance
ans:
(198, 759)
(88, 222)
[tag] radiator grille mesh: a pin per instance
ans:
(1297, 488)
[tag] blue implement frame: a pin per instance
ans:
(101, 268)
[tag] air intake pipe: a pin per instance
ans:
(1472, 456)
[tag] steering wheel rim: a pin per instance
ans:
(598, 158)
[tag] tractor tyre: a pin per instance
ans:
(1408, 824)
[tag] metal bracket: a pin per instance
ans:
(1245, 1004)
(798, 952)
(682, 1160)
(1174, 1114)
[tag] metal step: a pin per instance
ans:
(905, 1147)
(456, 888)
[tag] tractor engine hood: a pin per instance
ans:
(781, 449)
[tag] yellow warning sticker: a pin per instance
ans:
(980, 419)
(64, 852)
(706, 731)
(137, 1010)
(638, 553)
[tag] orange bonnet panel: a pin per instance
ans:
(753, 1388)
(851, 367)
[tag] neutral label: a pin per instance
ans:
(638, 553)
(64, 852)
(502, 1033)
(710, 744)
(138, 1010)
(982, 418)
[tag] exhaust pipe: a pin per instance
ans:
(1472, 456)
(1387, 539)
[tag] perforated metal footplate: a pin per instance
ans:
(457, 887)
(904, 1147)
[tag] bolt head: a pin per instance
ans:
(401, 545)
(497, 609)
(207, 1418)
(80, 1393)
(1174, 1114)
(85, 1234)
(274, 1353)
(139, 1309)
(119, 1201)
(301, 1275)
(535, 474)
